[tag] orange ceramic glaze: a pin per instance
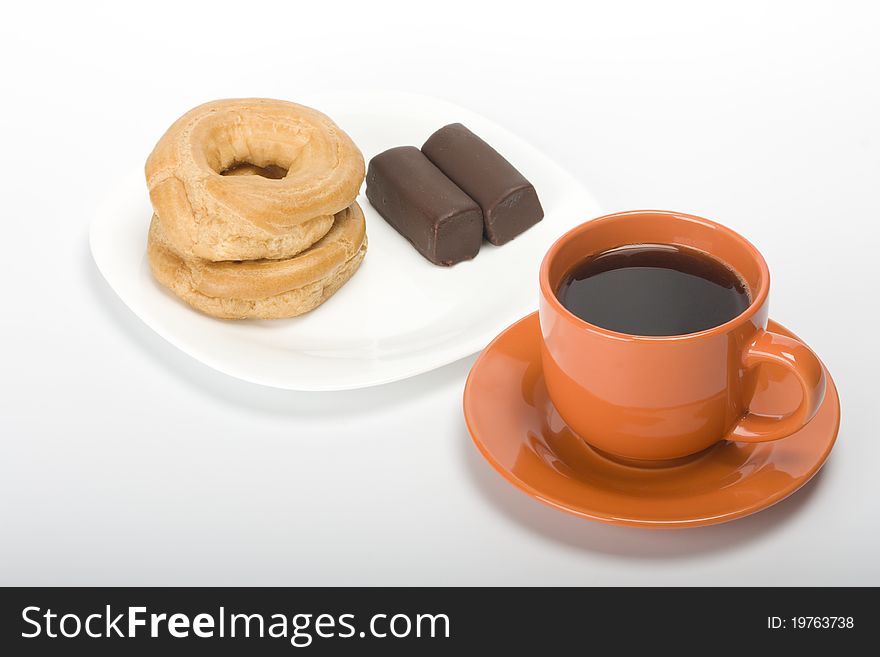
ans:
(665, 397)
(522, 435)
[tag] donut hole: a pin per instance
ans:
(248, 143)
(271, 171)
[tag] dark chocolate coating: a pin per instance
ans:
(509, 202)
(441, 221)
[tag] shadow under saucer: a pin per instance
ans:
(630, 542)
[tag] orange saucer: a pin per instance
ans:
(515, 426)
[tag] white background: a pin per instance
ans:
(122, 461)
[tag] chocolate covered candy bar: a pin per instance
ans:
(441, 221)
(509, 202)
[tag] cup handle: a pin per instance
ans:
(769, 347)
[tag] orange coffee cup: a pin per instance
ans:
(666, 397)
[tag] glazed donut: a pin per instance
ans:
(262, 289)
(309, 170)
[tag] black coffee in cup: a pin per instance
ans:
(653, 289)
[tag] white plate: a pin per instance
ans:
(399, 315)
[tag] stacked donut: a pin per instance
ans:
(254, 208)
